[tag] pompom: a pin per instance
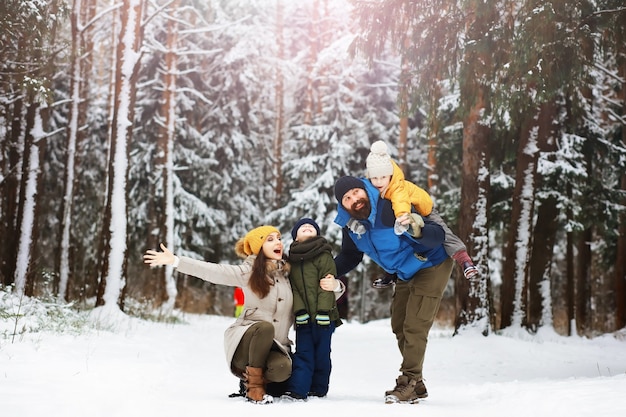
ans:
(239, 249)
(378, 147)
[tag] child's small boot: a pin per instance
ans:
(465, 262)
(469, 270)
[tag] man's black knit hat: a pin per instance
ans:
(345, 184)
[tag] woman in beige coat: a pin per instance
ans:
(256, 344)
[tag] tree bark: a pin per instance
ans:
(583, 281)
(162, 283)
(280, 111)
(473, 299)
(34, 141)
(10, 194)
(515, 268)
(74, 136)
(620, 263)
(309, 102)
(620, 259)
(544, 234)
(26, 220)
(570, 283)
(433, 133)
(113, 272)
(404, 114)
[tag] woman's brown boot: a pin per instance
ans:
(255, 386)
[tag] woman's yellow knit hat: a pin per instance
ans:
(251, 243)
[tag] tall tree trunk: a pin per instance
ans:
(12, 172)
(515, 269)
(309, 102)
(113, 272)
(404, 113)
(402, 142)
(570, 283)
(82, 279)
(76, 119)
(27, 207)
(433, 133)
(404, 86)
(544, 236)
(10, 194)
(584, 258)
(620, 258)
(473, 305)
(539, 303)
(473, 298)
(620, 262)
(162, 281)
(104, 236)
(583, 281)
(280, 110)
(34, 142)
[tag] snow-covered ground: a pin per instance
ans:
(130, 367)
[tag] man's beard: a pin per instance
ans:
(362, 213)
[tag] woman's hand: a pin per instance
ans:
(329, 283)
(154, 258)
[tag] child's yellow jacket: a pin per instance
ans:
(403, 194)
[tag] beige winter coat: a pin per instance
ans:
(275, 308)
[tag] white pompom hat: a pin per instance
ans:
(378, 162)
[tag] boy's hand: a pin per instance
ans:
(401, 224)
(417, 222)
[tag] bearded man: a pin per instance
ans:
(417, 257)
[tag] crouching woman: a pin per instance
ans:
(258, 349)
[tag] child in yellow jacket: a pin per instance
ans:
(388, 178)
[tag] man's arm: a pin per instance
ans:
(349, 257)
(432, 234)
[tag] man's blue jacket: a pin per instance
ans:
(402, 255)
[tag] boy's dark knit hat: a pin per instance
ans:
(304, 220)
(345, 184)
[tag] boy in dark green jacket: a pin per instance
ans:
(316, 311)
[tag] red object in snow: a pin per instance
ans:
(238, 296)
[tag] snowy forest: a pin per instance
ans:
(126, 123)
